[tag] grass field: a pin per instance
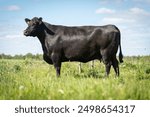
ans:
(35, 79)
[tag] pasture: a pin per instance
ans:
(35, 79)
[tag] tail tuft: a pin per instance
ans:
(120, 57)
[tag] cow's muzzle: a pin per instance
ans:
(26, 33)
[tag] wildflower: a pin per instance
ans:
(61, 91)
(21, 87)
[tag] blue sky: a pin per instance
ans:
(132, 17)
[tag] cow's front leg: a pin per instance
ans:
(107, 66)
(57, 63)
(58, 68)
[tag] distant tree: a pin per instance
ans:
(38, 56)
(29, 55)
(4, 56)
(20, 56)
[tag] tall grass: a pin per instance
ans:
(35, 79)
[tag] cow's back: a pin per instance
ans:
(104, 36)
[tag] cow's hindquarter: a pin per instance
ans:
(108, 42)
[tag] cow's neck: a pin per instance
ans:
(41, 38)
(43, 35)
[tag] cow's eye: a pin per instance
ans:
(34, 24)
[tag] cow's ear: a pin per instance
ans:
(40, 20)
(27, 20)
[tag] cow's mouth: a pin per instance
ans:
(26, 33)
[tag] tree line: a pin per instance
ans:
(20, 56)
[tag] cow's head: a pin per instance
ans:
(34, 26)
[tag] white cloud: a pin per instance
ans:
(138, 11)
(14, 36)
(133, 24)
(133, 16)
(13, 8)
(116, 20)
(105, 11)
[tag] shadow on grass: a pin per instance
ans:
(89, 74)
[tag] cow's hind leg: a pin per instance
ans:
(107, 66)
(115, 65)
(107, 61)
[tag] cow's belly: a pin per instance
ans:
(85, 58)
(82, 50)
(82, 55)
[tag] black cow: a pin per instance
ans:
(80, 43)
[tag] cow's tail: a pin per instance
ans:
(120, 53)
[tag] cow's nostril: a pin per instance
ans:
(25, 32)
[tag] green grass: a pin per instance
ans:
(35, 79)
